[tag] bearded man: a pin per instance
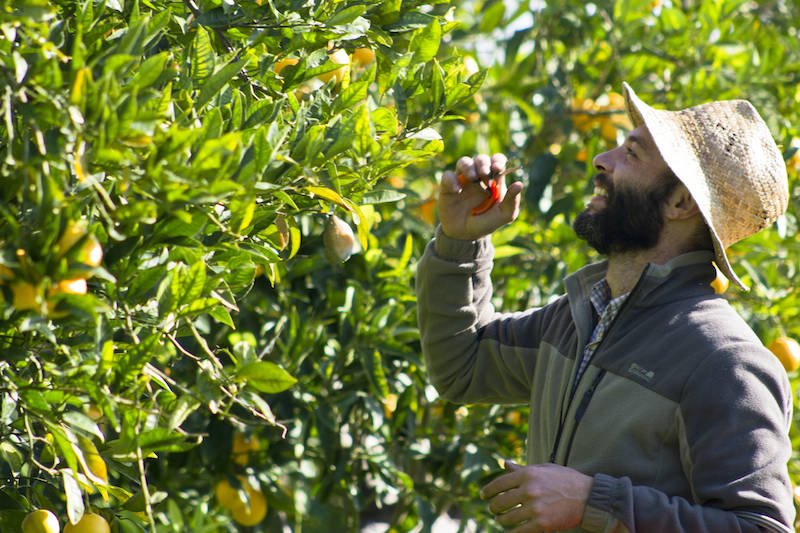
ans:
(653, 406)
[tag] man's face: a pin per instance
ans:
(632, 185)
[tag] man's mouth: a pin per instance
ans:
(600, 191)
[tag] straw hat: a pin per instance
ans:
(725, 155)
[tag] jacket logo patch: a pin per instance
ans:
(641, 372)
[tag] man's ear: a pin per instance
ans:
(680, 204)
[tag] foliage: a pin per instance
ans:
(206, 175)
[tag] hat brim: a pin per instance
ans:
(680, 157)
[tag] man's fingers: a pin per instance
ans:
(510, 206)
(466, 165)
(450, 182)
(483, 165)
(505, 501)
(498, 163)
(500, 484)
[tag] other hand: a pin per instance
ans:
(538, 498)
(457, 201)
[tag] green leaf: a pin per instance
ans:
(211, 87)
(425, 43)
(149, 71)
(202, 58)
(382, 196)
(187, 285)
(265, 376)
(74, 496)
(346, 15)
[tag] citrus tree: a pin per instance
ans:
(212, 212)
(159, 160)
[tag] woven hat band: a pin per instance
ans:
(724, 154)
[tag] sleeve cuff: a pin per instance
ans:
(461, 250)
(597, 516)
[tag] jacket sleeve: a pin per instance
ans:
(735, 413)
(472, 353)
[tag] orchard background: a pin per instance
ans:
(177, 352)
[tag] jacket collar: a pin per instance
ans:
(684, 276)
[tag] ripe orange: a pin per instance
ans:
(5, 273)
(362, 56)
(26, 295)
(787, 350)
(242, 446)
(285, 62)
(89, 523)
(720, 283)
(69, 286)
(246, 514)
(91, 252)
(340, 57)
(254, 511)
(72, 234)
(41, 521)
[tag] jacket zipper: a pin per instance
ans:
(587, 396)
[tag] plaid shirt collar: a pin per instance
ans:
(606, 307)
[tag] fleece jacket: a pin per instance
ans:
(681, 417)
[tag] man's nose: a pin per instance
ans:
(602, 162)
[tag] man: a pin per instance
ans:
(654, 407)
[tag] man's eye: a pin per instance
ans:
(630, 151)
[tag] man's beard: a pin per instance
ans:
(632, 220)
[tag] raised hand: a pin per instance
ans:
(469, 211)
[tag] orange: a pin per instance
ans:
(226, 495)
(582, 118)
(254, 511)
(720, 283)
(89, 523)
(285, 62)
(91, 253)
(26, 295)
(340, 57)
(787, 350)
(69, 286)
(41, 521)
(5, 273)
(362, 56)
(246, 514)
(72, 234)
(242, 446)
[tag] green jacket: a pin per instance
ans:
(682, 416)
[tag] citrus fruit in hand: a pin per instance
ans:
(787, 350)
(89, 523)
(41, 521)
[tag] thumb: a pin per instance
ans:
(510, 202)
(511, 466)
